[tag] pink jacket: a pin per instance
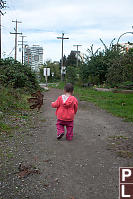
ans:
(66, 107)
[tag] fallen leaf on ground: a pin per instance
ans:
(24, 171)
(47, 160)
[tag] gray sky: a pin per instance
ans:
(83, 21)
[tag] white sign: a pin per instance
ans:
(46, 72)
(63, 70)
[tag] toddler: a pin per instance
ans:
(67, 106)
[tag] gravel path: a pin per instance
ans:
(81, 169)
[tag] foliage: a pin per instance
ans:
(16, 75)
(93, 67)
(121, 69)
(112, 65)
(71, 74)
(125, 85)
(71, 59)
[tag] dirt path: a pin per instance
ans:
(81, 169)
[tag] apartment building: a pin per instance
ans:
(33, 56)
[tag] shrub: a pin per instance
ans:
(16, 75)
(112, 65)
(121, 69)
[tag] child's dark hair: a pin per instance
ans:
(69, 88)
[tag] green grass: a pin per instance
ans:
(118, 104)
(4, 127)
(12, 103)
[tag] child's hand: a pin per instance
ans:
(55, 104)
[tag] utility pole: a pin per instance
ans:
(62, 64)
(2, 5)
(22, 44)
(16, 35)
(77, 52)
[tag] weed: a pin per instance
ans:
(121, 145)
(125, 154)
(5, 128)
(118, 137)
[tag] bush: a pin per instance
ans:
(94, 69)
(121, 69)
(112, 65)
(16, 75)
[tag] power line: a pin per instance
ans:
(16, 33)
(11, 51)
(5, 28)
(77, 52)
(62, 64)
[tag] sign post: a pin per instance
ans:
(63, 72)
(46, 73)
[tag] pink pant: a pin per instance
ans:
(69, 126)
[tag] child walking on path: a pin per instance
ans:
(67, 106)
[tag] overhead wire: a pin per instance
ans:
(5, 28)
(11, 14)
(11, 51)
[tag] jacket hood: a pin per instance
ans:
(67, 101)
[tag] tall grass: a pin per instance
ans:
(12, 99)
(11, 102)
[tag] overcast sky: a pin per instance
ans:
(83, 21)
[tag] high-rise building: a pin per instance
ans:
(33, 56)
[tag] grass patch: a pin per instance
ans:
(11, 99)
(5, 128)
(119, 104)
(14, 111)
(6, 154)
